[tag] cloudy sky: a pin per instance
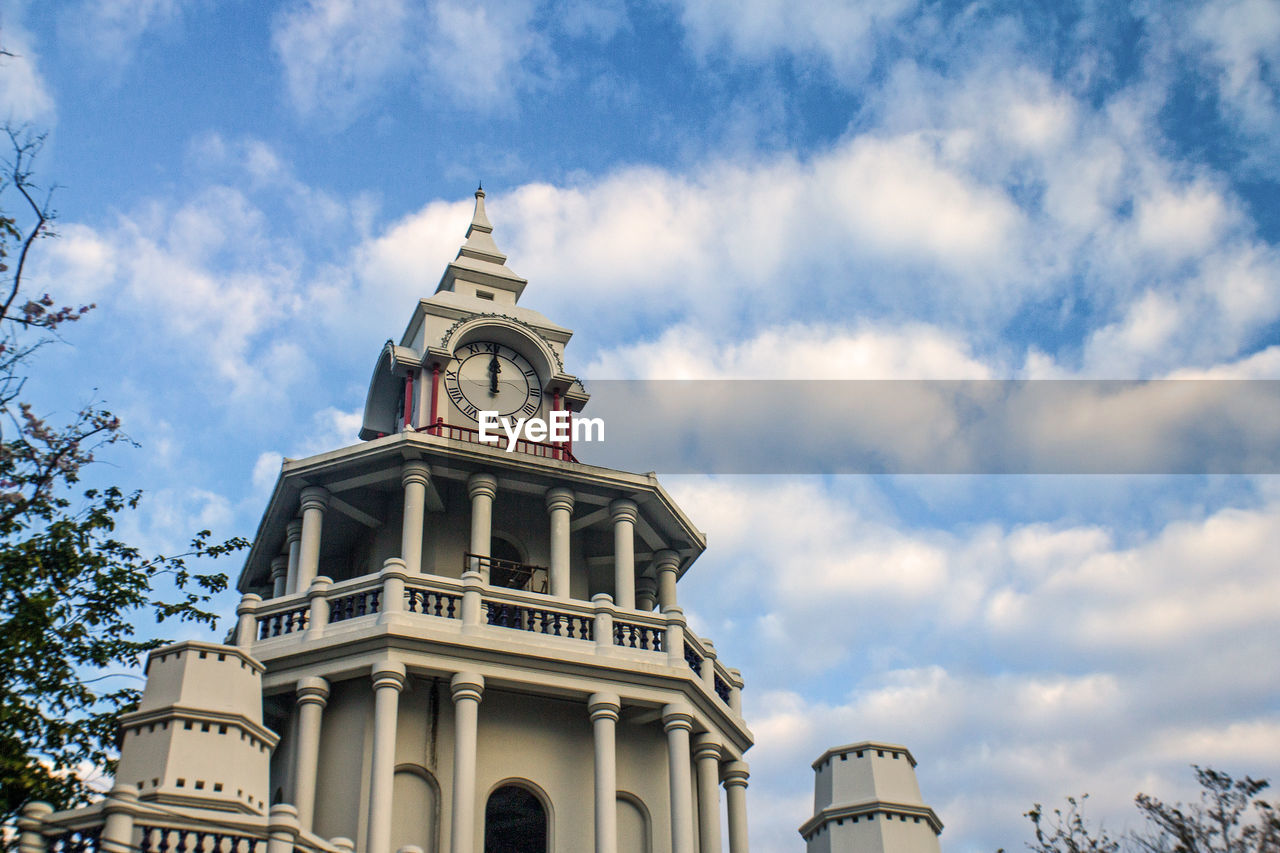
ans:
(255, 194)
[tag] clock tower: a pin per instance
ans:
(443, 644)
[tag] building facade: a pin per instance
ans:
(443, 644)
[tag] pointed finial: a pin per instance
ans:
(480, 189)
(479, 222)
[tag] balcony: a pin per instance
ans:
(594, 627)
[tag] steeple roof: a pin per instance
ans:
(480, 261)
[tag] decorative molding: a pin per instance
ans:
(462, 321)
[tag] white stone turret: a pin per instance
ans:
(866, 800)
(197, 738)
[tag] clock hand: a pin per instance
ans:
(494, 369)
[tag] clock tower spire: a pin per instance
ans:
(480, 266)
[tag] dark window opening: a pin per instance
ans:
(514, 822)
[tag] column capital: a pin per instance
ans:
(666, 560)
(735, 773)
(707, 745)
(560, 498)
(735, 678)
(674, 616)
(279, 566)
(623, 510)
(604, 706)
(467, 685)
(248, 603)
(388, 673)
(319, 586)
(708, 648)
(677, 715)
(313, 690)
(293, 531)
(482, 484)
(314, 497)
(415, 471)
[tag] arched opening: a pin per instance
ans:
(507, 567)
(514, 822)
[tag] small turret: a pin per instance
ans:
(197, 738)
(866, 800)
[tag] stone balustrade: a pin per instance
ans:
(480, 606)
(123, 824)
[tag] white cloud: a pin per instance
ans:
(1046, 659)
(340, 57)
(839, 36)
(337, 54)
(1240, 40)
(205, 277)
(794, 351)
(109, 30)
(24, 94)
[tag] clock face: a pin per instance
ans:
(492, 377)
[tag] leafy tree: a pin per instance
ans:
(72, 595)
(1229, 818)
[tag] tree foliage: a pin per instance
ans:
(1230, 817)
(72, 594)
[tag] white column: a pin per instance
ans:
(293, 536)
(481, 488)
(624, 514)
(735, 794)
(388, 680)
(646, 593)
(735, 691)
(279, 575)
(708, 671)
(282, 828)
(468, 687)
(31, 825)
(604, 708)
(313, 694)
(666, 564)
(414, 476)
(706, 757)
(560, 508)
(315, 500)
(117, 828)
(677, 720)
(246, 621)
(674, 617)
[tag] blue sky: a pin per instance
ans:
(255, 193)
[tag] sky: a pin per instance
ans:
(254, 194)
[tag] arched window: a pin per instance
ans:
(506, 565)
(514, 822)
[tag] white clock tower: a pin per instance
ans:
(444, 645)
